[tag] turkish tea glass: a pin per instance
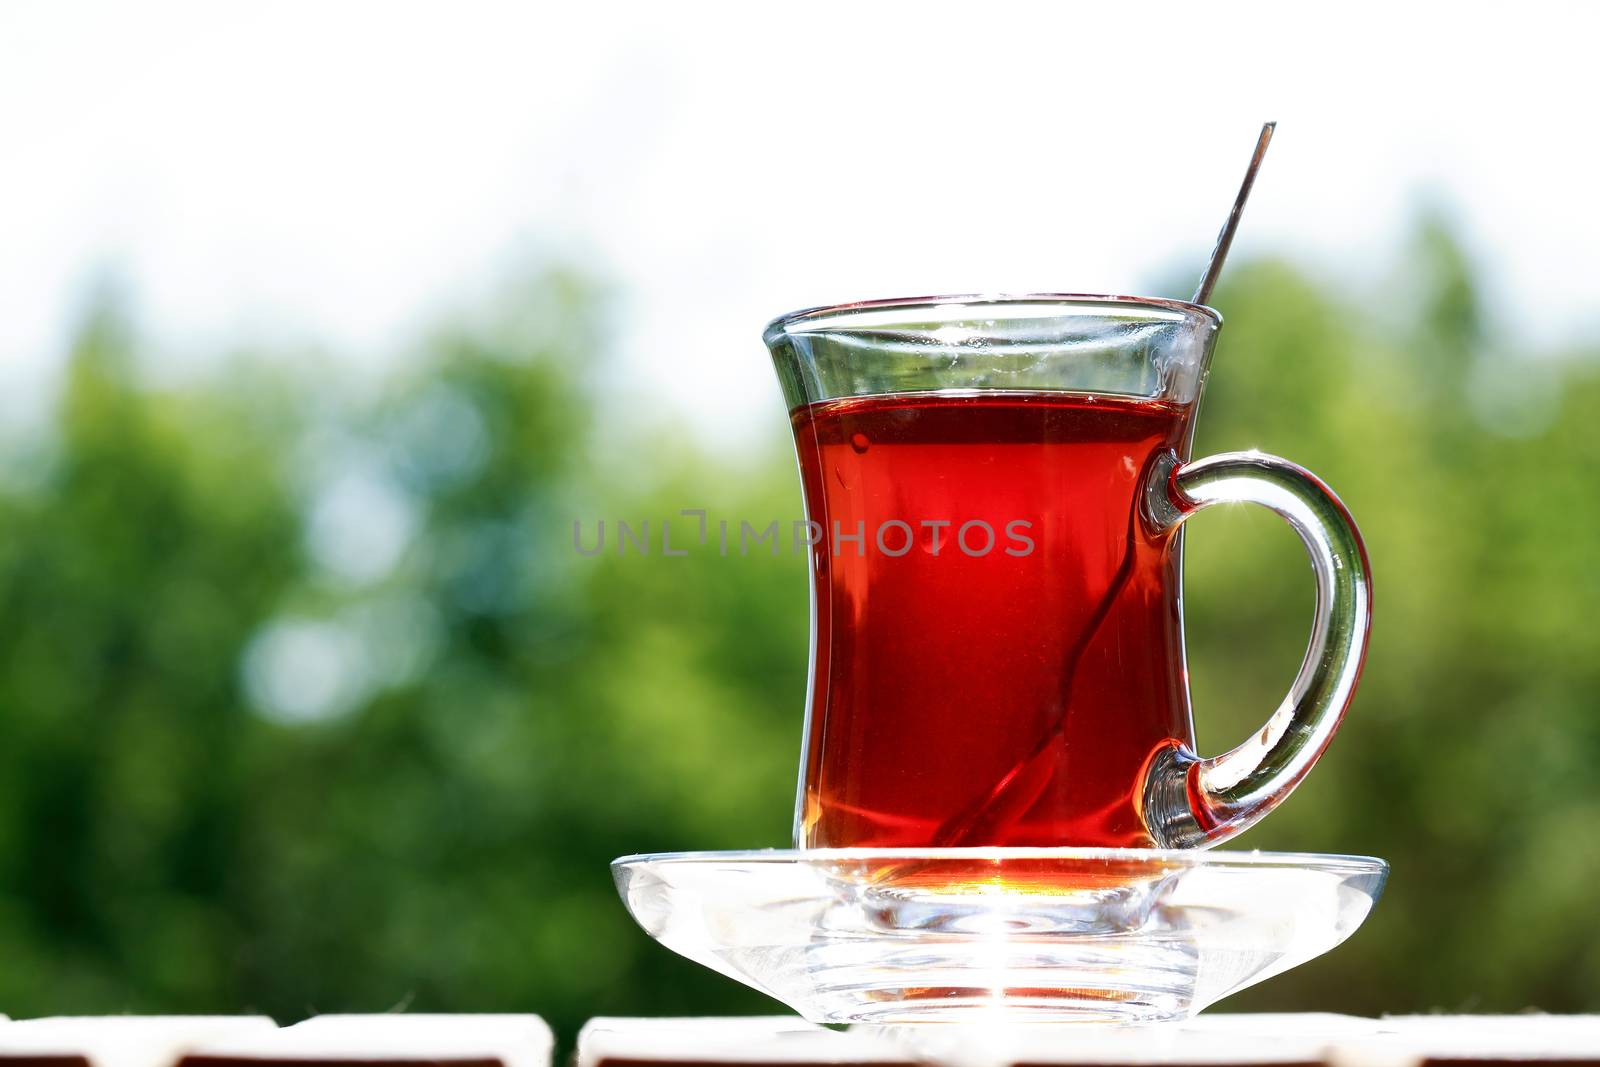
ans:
(996, 488)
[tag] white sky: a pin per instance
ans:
(344, 172)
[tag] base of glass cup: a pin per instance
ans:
(1110, 936)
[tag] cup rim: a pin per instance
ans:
(1194, 312)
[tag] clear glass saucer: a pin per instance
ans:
(999, 934)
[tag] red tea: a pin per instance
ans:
(998, 645)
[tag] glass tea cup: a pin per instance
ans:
(997, 487)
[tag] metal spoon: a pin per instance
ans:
(1225, 238)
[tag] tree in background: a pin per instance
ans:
(1467, 758)
(308, 703)
(151, 537)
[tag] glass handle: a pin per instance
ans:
(1190, 801)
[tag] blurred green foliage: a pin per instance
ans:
(307, 702)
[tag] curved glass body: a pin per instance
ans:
(996, 486)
